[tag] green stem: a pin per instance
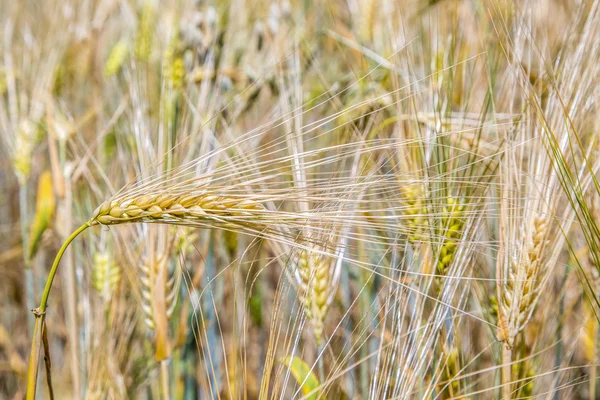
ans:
(40, 314)
(61, 251)
(320, 366)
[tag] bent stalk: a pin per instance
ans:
(40, 316)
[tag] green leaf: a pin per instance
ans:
(44, 212)
(307, 380)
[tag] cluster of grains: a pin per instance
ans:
(158, 288)
(144, 34)
(316, 288)
(159, 298)
(524, 376)
(453, 223)
(26, 140)
(175, 208)
(116, 58)
(106, 275)
(416, 211)
(173, 64)
(521, 289)
(451, 386)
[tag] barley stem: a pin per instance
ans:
(592, 388)
(164, 380)
(320, 366)
(40, 314)
(506, 371)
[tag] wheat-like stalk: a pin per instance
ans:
(416, 211)
(106, 275)
(173, 65)
(524, 375)
(317, 287)
(453, 221)
(177, 209)
(156, 283)
(116, 58)
(521, 290)
(145, 32)
(450, 387)
(159, 298)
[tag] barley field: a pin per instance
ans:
(299, 199)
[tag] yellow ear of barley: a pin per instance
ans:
(44, 212)
(315, 288)
(168, 208)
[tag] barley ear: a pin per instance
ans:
(106, 275)
(159, 298)
(453, 225)
(167, 208)
(315, 289)
(520, 291)
(416, 211)
(116, 58)
(145, 32)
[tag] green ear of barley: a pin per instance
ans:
(106, 275)
(451, 387)
(145, 33)
(416, 211)
(116, 58)
(524, 374)
(173, 64)
(453, 225)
